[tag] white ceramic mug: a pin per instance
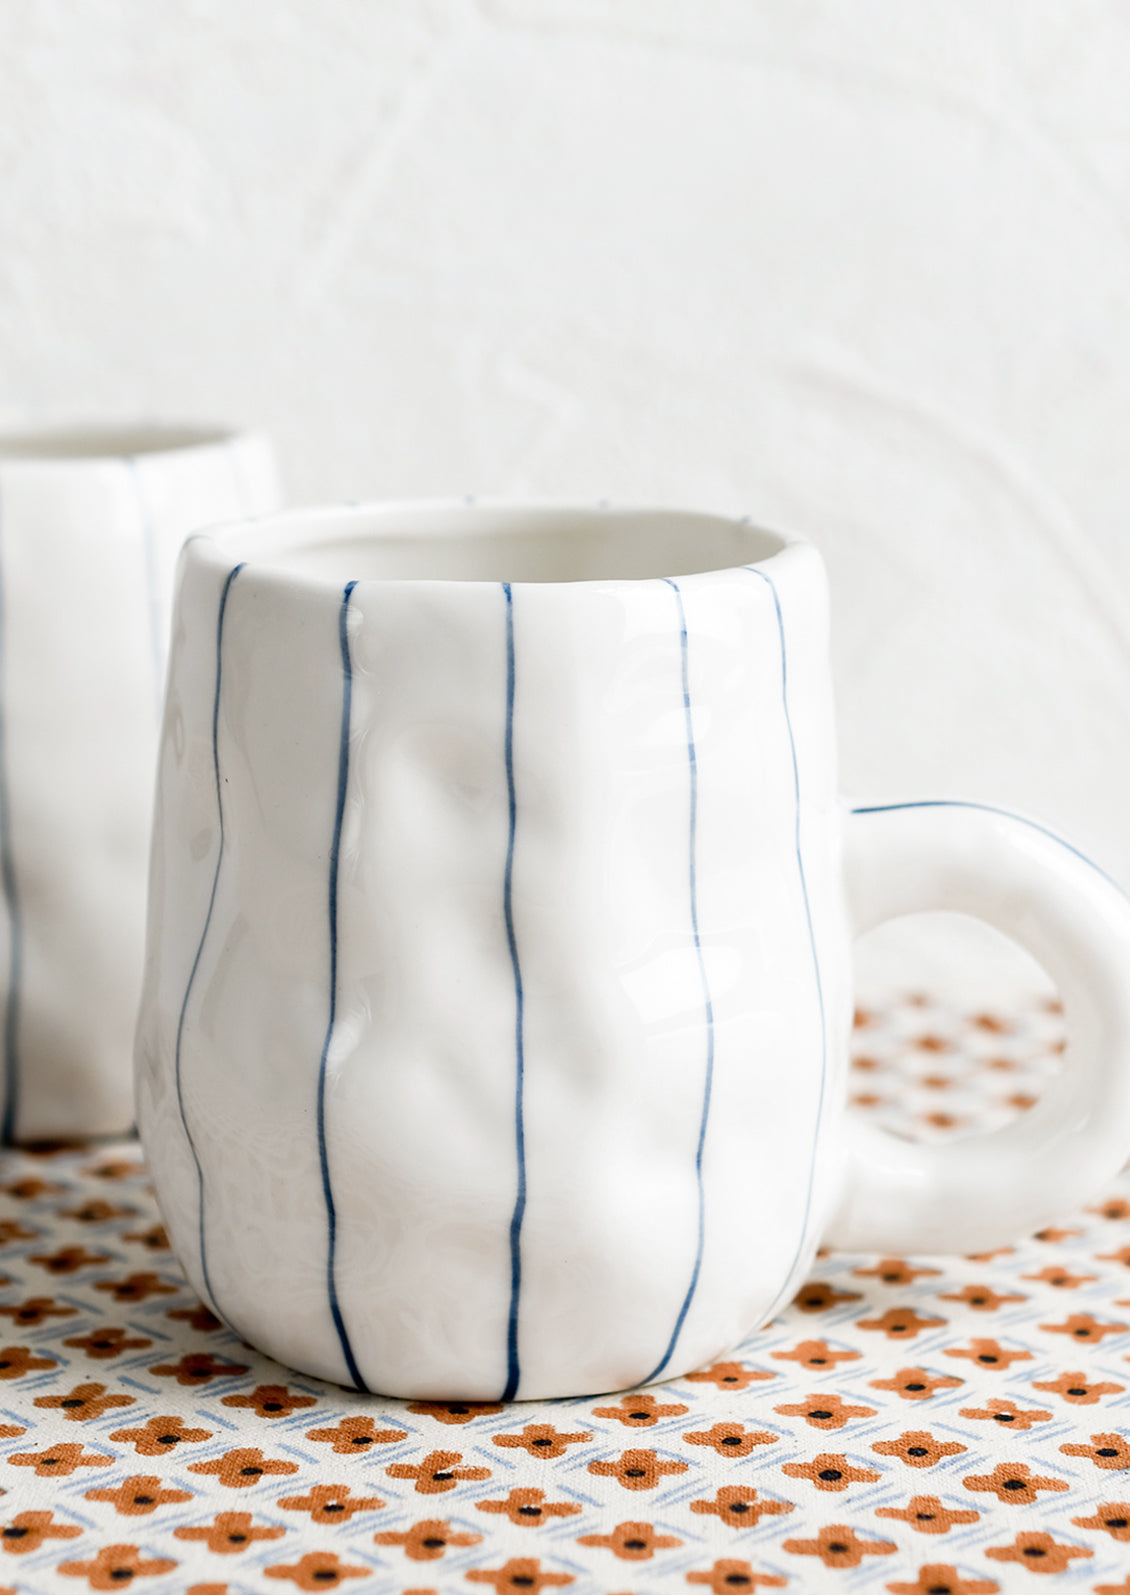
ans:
(495, 1029)
(90, 526)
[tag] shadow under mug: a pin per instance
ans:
(90, 526)
(495, 1027)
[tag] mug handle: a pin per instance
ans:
(984, 1192)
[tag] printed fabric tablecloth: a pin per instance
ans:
(920, 1425)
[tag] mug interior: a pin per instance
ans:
(468, 542)
(97, 442)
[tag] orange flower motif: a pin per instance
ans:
(1038, 1552)
(1122, 1255)
(68, 1259)
(900, 1323)
(317, 1570)
(729, 1577)
(1007, 1414)
(894, 1271)
(817, 1296)
(915, 1384)
(28, 1530)
(139, 1496)
(830, 1471)
(35, 1310)
(270, 1401)
(103, 1343)
(331, 1503)
(117, 1566)
(10, 1231)
(541, 1440)
(160, 1436)
(1013, 1483)
(740, 1506)
(230, 1533)
(137, 1287)
(28, 1189)
(1113, 1517)
(438, 1472)
(455, 1411)
(1115, 1207)
(940, 1579)
(982, 1298)
(1001, 1251)
(57, 1461)
(200, 1317)
(731, 1439)
(1105, 1451)
(816, 1354)
(839, 1546)
(521, 1575)
(1081, 1326)
(989, 1354)
(1060, 1278)
(154, 1238)
(198, 1368)
(96, 1212)
(527, 1507)
(84, 1402)
(1054, 1236)
(353, 1437)
(427, 1540)
(918, 1449)
(637, 1470)
(242, 1468)
(926, 1515)
(631, 1542)
(728, 1376)
(641, 1412)
(824, 1412)
(15, 1361)
(115, 1168)
(1114, 1589)
(1077, 1388)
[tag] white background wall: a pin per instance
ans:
(859, 270)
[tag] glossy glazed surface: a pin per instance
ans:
(503, 1007)
(90, 525)
(494, 1033)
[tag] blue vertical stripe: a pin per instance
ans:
(11, 903)
(231, 576)
(708, 1005)
(512, 1365)
(762, 576)
(335, 857)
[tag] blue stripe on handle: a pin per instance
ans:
(8, 882)
(761, 575)
(231, 576)
(512, 1365)
(707, 1002)
(335, 857)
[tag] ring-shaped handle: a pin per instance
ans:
(987, 1190)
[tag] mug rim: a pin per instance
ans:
(299, 530)
(89, 443)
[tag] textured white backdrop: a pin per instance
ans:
(858, 270)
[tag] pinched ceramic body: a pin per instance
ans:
(494, 1033)
(90, 527)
